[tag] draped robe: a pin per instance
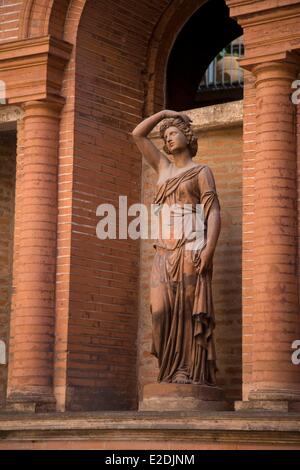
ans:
(181, 301)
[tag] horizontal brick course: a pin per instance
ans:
(9, 14)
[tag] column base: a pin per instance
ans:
(268, 405)
(279, 394)
(183, 397)
(270, 400)
(30, 403)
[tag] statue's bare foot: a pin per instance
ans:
(181, 378)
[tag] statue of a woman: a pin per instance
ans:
(181, 294)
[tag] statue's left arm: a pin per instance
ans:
(211, 206)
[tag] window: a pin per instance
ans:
(223, 80)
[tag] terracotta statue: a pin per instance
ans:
(181, 292)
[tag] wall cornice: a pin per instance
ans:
(240, 8)
(249, 62)
(32, 69)
(271, 31)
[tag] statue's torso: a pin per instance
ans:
(181, 194)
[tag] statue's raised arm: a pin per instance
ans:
(153, 155)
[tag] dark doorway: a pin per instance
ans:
(7, 209)
(207, 33)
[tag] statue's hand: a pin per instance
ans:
(174, 114)
(206, 259)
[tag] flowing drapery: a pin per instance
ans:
(181, 300)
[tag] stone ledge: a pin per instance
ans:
(218, 116)
(146, 430)
(183, 397)
(267, 405)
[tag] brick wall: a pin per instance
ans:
(9, 19)
(221, 149)
(7, 190)
(103, 296)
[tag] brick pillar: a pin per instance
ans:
(32, 321)
(276, 322)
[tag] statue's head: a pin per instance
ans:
(184, 134)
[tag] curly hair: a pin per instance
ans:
(185, 128)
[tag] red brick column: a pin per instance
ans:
(276, 322)
(32, 323)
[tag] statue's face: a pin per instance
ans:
(175, 140)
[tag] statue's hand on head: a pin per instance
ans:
(168, 114)
(152, 154)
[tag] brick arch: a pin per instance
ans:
(43, 17)
(189, 60)
(61, 18)
(34, 18)
(160, 48)
(164, 36)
